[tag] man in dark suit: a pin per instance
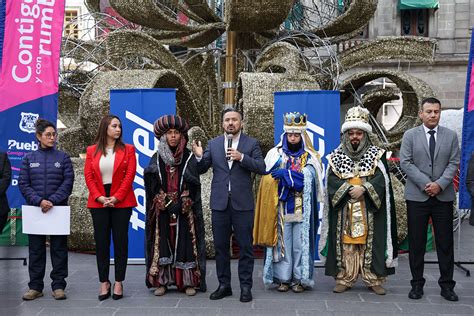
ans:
(5, 178)
(233, 157)
(429, 156)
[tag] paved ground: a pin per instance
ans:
(82, 293)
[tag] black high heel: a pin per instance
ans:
(117, 296)
(106, 295)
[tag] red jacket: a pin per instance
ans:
(125, 166)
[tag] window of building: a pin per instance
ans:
(414, 22)
(71, 28)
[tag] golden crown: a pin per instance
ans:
(357, 113)
(357, 117)
(295, 119)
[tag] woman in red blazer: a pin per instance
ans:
(109, 171)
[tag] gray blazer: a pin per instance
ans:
(415, 161)
(239, 175)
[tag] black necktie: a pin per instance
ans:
(432, 144)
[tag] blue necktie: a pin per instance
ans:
(432, 145)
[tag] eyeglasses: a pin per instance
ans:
(50, 135)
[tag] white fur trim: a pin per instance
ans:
(307, 269)
(271, 158)
(294, 129)
(389, 262)
(325, 220)
(356, 124)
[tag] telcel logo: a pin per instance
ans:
(14, 144)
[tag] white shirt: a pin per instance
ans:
(428, 134)
(235, 143)
(106, 165)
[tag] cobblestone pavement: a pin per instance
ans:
(83, 287)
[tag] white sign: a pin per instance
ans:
(57, 221)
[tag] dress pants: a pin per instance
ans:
(106, 221)
(37, 263)
(441, 214)
(241, 222)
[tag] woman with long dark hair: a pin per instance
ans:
(109, 172)
(46, 180)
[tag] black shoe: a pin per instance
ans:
(449, 295)
(245, 295)
(106, 295)
(221, 292)
(416, 292)
(117, 296)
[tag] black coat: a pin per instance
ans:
(5, 179)
(189, 176)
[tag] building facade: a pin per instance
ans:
(449, 24)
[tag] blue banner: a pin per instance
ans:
(467, 142)
(323, 127)
(138, 109)
(17, 136)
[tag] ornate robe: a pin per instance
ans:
(378, 215)
(188, 251)
(300, 207)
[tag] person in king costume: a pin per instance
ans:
(174, 227)
(359, 233)
(287, 214)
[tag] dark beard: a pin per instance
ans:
(355, 152)
(294, 147)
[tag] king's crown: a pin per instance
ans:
(357, 114)
(295, 119)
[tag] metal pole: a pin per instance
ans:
(230, 65)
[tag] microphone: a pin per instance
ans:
(229, 144)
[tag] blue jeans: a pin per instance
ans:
(289, 268)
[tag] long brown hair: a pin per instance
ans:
(101, 137)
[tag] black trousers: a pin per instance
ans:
(3, 221)
(106, 221)
(441, 214)
(37, 264)
(241, 223)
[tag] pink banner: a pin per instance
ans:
(470, 104)
(31, 50)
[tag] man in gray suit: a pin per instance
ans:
(233, 157)
(429, 156)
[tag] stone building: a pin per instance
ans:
(449, 23)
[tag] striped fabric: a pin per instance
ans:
(167, 122)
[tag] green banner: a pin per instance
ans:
(12, 234)
(418, 4)
(430, 242)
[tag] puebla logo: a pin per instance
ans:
(27, 122)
